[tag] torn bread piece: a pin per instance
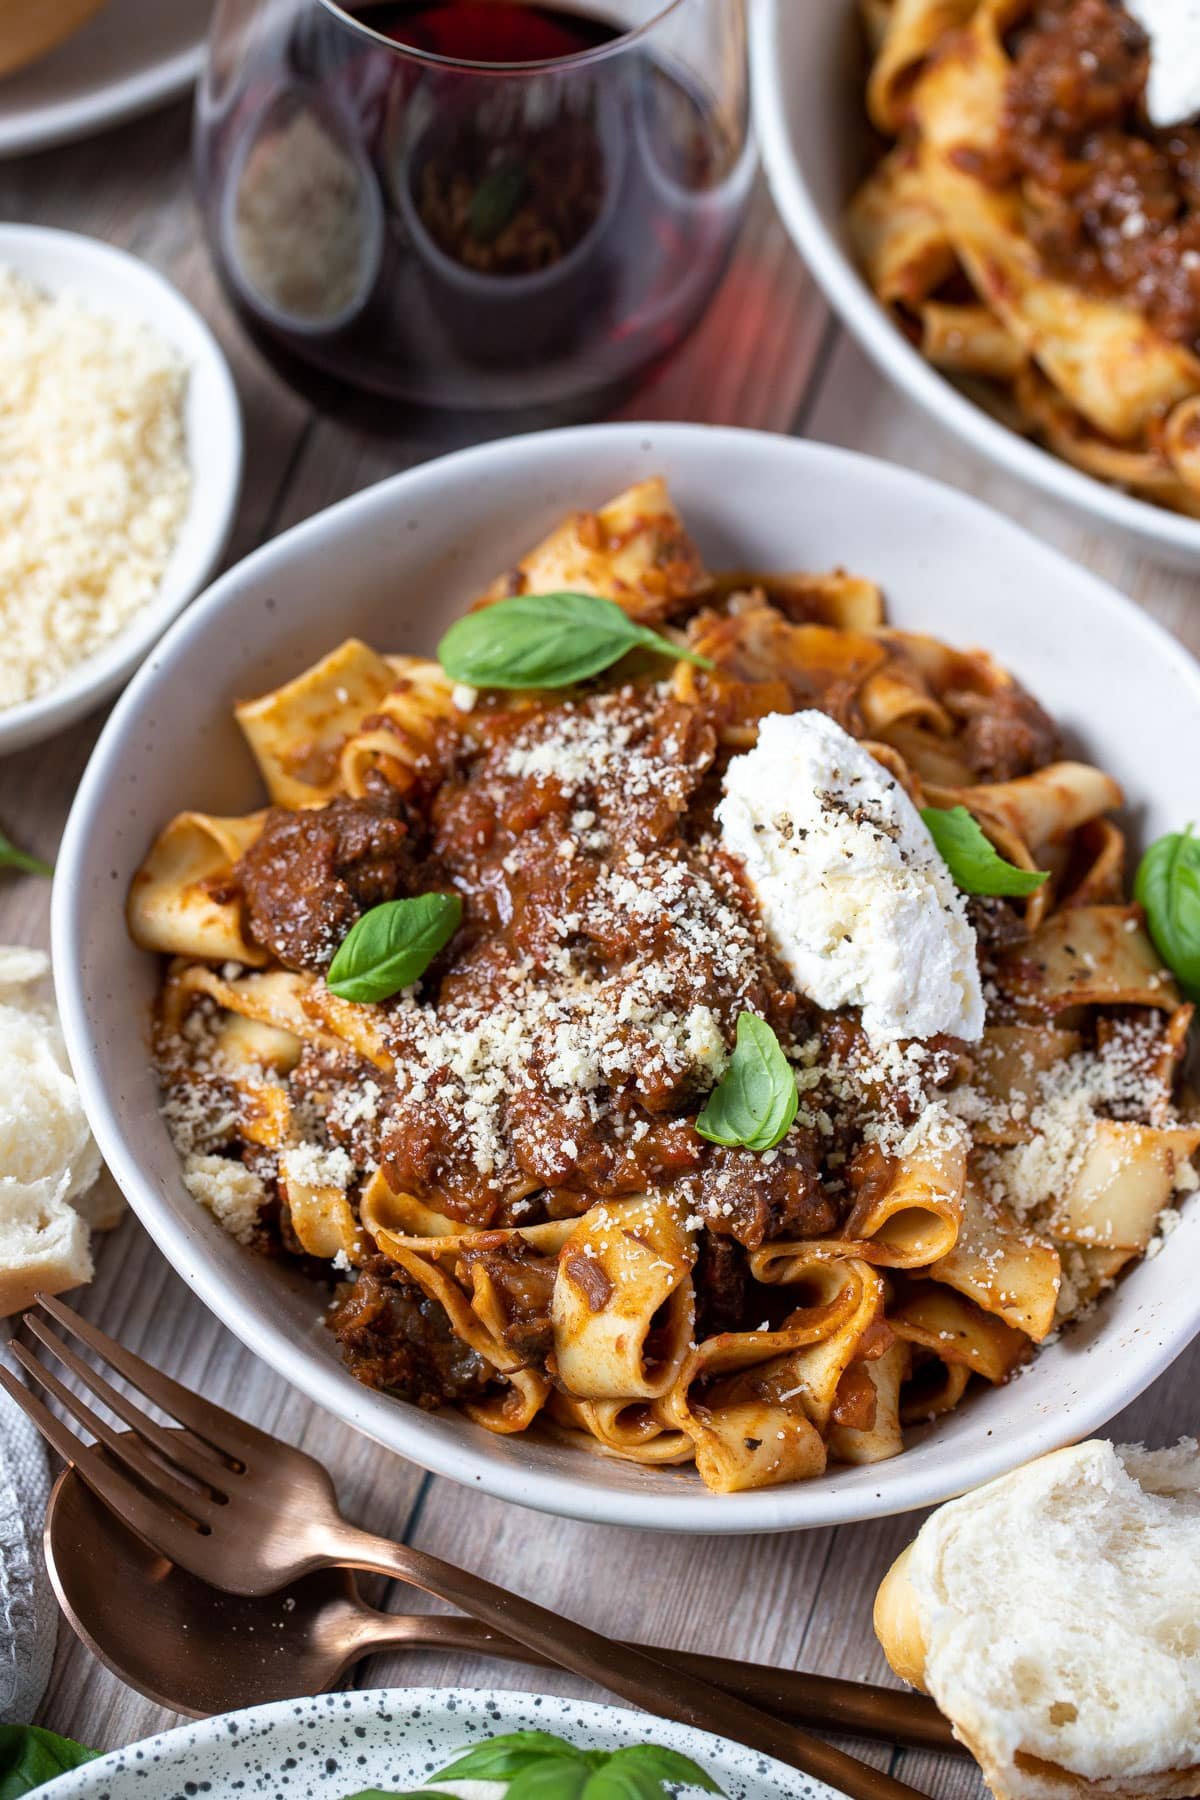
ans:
(52, 1187)
(1054, 1616)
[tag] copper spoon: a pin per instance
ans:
(197, 1650)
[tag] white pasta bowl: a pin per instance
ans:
(809, 66)
(394, 565)
(113, 283)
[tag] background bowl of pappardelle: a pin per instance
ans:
(403, 559)
(810, 69)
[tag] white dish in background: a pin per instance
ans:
(112, 282)
(335, 1745)
(134, 56)
(809, 69)
(394, 565)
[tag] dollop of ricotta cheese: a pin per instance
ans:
(856, 900)
(1173, 27)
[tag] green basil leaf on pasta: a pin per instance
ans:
(547, 641)
(31, 1756)
(755, 1100)
(642, 1771)
(501, 1758)
(1168, 889)
(392, 945)
(12, 858)
(972, 859)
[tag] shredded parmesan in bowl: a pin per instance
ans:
(94, 479)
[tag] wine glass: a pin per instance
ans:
(480, 203)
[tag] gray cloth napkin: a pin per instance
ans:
(28, 1613)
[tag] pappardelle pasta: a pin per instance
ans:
(1034, 233)
(484, 1016)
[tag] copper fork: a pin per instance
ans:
(248, 1513)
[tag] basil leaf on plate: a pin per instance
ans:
(971, 857)
(500, 1758)
(547, 641)
(1168, 888)
(30, 1756)
(495, 201)
(539, 1766)
(12, 858)
(641, 1772)
(755, 1100)
(393, 944)
(562, 1777)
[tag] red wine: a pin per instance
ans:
(487, 31)
(459, 232)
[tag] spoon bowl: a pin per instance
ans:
(187, 1645)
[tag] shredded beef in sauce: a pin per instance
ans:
(393, 1337)
(312, 874)
(1111, 204)
(1006, 734)
(593, 915)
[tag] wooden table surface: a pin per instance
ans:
(767, 355)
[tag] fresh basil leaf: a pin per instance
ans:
(12, 858)
(500, 1758)
(974, 862)
(30, 1756)
(495, 201)
(547, 641)
(551, 1778)
(755, 1100)
(641, 1772)
(1168, 888)
(394, 1794)
(392, 945)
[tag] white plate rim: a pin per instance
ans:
(297, 1727)
(887, 347)
(112, 103)
(562, 1495)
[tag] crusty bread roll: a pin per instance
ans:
(52, 1190)
(1054, 1615)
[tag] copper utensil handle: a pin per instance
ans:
(857, 1708)
(622, 1668)
(829, 1702)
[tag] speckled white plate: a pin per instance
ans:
(393, 1738)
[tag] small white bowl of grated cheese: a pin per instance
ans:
(120, 468)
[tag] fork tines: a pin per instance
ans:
(175, 1477)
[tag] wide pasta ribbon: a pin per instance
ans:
(756, 1403)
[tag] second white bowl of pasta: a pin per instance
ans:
(916, 233)
(477, 1023)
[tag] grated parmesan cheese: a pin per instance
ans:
(233, 1194)
(94, 480)
(1117, 1080)
(312, 1166)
